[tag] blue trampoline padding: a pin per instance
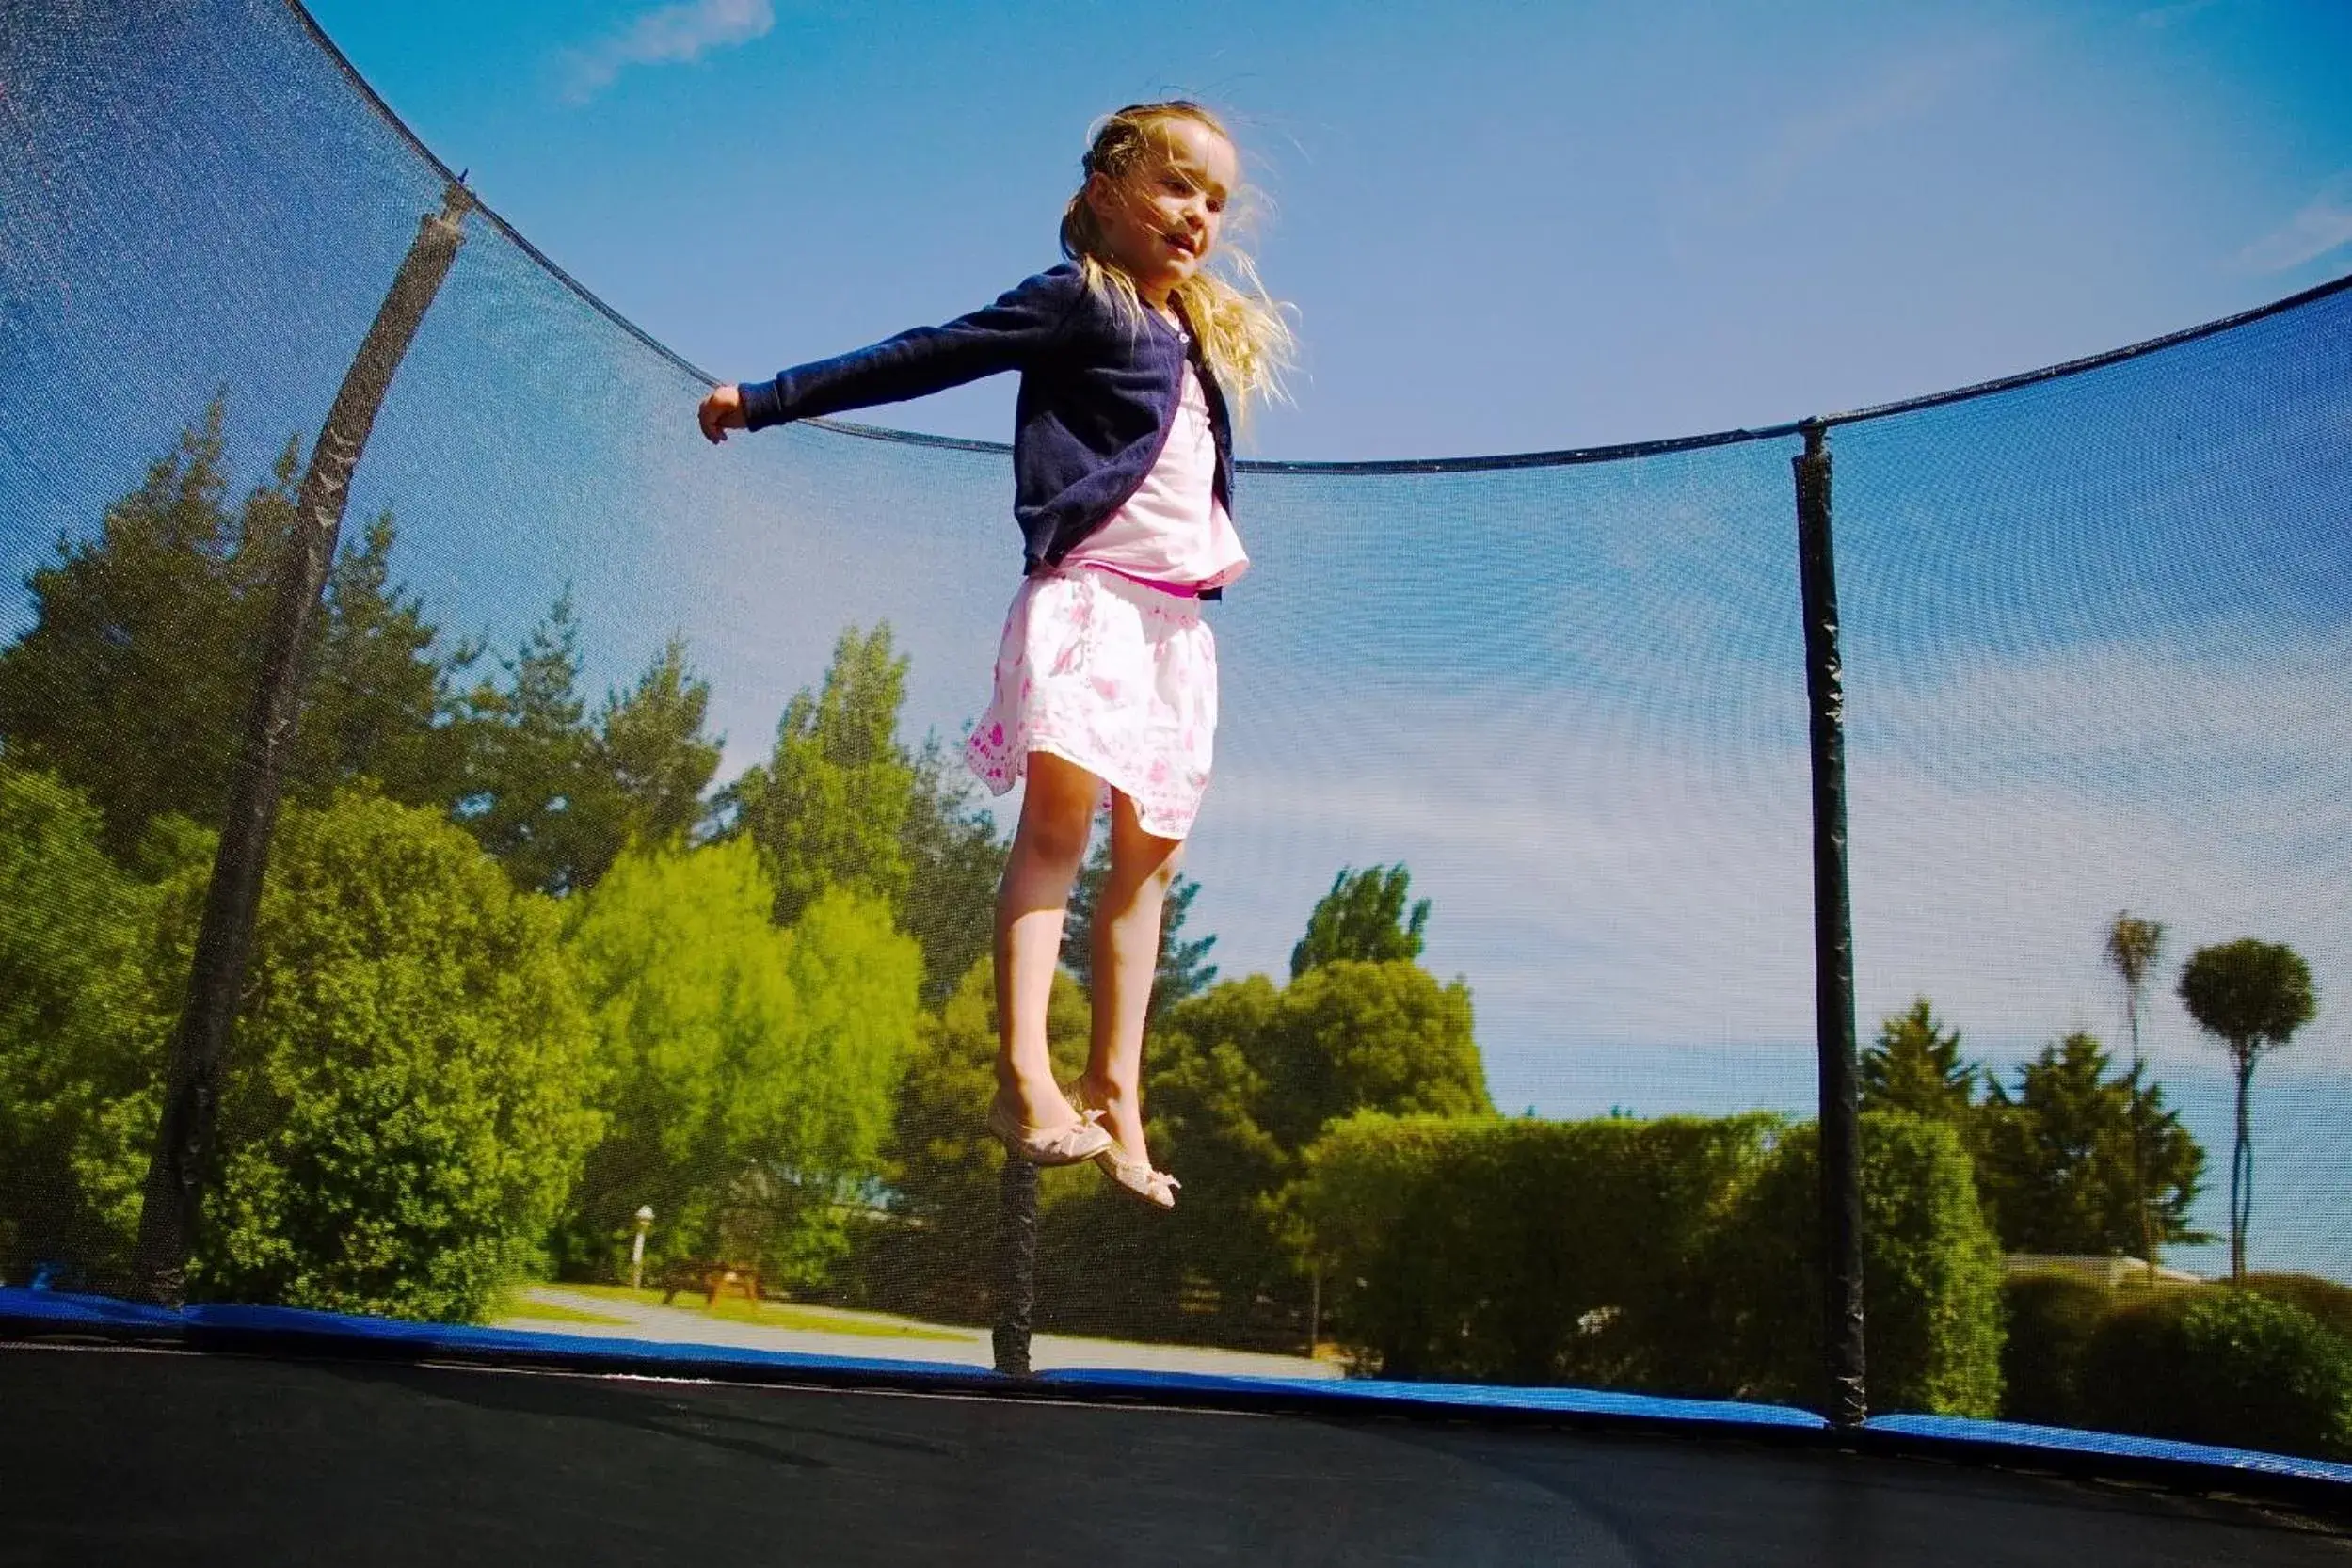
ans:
(457, 1339)
(50, 1308)
(2116, 1445)
(1470, 1395)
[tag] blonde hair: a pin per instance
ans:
(1240, 327)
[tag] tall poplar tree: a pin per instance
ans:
(828, 807)
(1365, 917)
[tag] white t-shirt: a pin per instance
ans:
(1173, 533)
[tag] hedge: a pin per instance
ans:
(2324, 1299)
(2052, 1316)
(1931, 1275)
(2222, 1366)
(1672, 1254)
(2262, 1366)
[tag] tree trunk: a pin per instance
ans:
(2242, 1169)
(2139, 1155)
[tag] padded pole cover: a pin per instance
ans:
(1017, 1264)
(1833, 945)
(224, 942)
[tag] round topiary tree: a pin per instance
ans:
(2253, 996)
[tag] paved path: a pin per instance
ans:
(966, 1347)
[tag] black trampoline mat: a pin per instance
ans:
(132, 1457)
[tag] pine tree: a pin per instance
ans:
(1916, 1066)
(136, 674)
(377, 702)
(134, 683)
(529, 753)
(2056, 1162)
(651, 758)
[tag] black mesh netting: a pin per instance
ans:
(576, 909)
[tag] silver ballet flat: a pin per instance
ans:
(1074, 1145)
(1132, 1177)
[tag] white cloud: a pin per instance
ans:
(671, 35)
(2322, 224)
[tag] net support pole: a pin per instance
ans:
(175, 1171)
(1832, 944)
(1017, 1264)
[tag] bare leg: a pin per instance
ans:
(1127, 956)
(1057, 812)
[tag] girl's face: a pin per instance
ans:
(1161, 219)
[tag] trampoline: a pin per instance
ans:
(2017, 567)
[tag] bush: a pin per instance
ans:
(2052, 1316)
(2222, 1366)
(2324, 1299)
(1931, 1275)
(1519, 1250)
(80, 1029)
(1669, 1255)
(402, 1111)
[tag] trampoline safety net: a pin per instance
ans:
(624, 936)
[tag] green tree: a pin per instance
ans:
(653, 759)
(555, 795)
(401, 1108)
(857, 978)
(954, 860)
(530, 754)
(159, 617)
(1930, 1270)
(1182, 970)
(1354, 1035)
(378, 701)
(2252, 995)
(1207, 1102)
(938, 1257)
(1245, 1077)
(831, 803)
(1916, 1066)
(1363, 917)
(2132, 948)
(79, 1027)
(405, 1115)
(2056, 1163)
(747, 1074)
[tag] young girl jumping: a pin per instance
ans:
(1106, 680)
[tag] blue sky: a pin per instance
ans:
(1506, 226)
(2100, 631)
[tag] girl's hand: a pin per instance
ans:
(722, 411)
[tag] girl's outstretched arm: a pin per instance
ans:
(1006, 335)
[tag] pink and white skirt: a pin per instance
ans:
(1112, 676)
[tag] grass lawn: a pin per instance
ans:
(809, 1319)
(549, 1312)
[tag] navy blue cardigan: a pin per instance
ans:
(1098, 393)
